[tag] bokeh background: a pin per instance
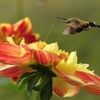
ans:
(43, 15)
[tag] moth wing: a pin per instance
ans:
(69, 30)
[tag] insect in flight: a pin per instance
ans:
(77, 25)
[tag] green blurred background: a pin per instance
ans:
(43, 15)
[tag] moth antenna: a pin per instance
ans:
(62, 18)
(93, 24)
(51, 29)
(98, 26)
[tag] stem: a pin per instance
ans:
(37, 95)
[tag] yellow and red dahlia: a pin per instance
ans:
(70, 75)
(18, 31)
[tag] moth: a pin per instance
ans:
(77, 25)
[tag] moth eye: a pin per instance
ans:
(67, 22)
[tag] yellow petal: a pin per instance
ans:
(68, 66)
(72, 58)
(10, 40)
(53, 47)
(63, 89)
(37, 45)
(82, 67)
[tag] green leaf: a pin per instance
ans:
(33, 81)
(41, 83)
(50, 73)
(46, 92)
(24, 82)
(22, 76)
